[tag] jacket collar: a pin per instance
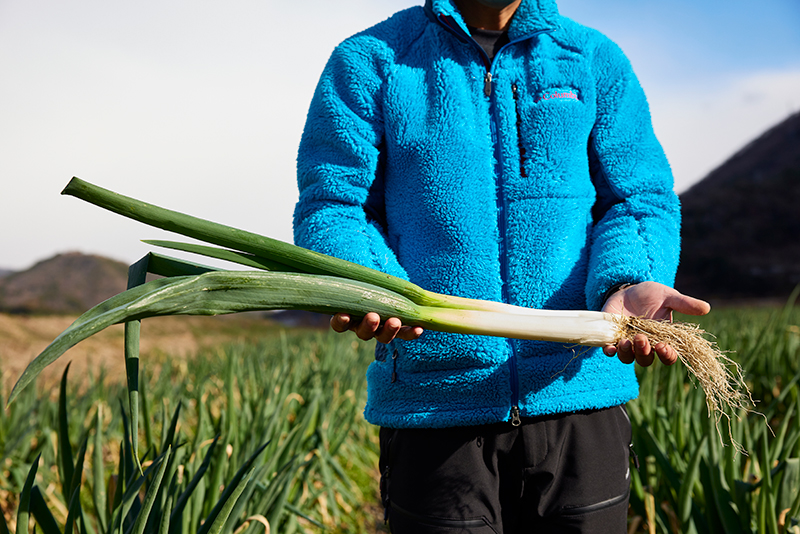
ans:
(532, 16)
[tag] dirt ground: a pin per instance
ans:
(22, 338)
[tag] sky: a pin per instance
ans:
(198, 106)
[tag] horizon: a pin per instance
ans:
(199, 108)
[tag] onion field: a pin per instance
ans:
(255, 438)
(269, 437)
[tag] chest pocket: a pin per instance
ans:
(554, 125)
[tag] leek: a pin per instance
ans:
(225, 292)
(291, 277)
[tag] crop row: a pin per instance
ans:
(270, 437)
(288, 411)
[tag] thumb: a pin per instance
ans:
(687, 305)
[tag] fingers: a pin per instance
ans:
(666, 354)
(341, 322)
(393, 328)
(625, 351)
(640, 351)
(410, 333)
(370, 327)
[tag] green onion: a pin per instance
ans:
(225, 292)
(330, 285)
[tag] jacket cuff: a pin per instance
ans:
(613, 289)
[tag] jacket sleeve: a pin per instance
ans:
(340, 211)
(636, 236)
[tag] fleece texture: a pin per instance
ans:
(541, 185)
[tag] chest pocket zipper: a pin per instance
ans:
(515, 92)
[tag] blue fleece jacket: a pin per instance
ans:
(535, 179)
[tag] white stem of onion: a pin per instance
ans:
(575, 327)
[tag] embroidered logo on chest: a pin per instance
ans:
(557, 95)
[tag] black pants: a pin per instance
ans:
(554, 474)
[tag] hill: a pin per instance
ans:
(741, 223)
(71, 283)
(64, 284)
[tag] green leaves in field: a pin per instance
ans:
(130, 512)
(271, 432)
(23, 512)
(700, 484)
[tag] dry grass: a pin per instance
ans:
(23, 337)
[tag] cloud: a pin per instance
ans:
(702, 124)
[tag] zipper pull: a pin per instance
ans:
(394, 366)
(487, 84)
(515, 420)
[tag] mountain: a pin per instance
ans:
(66, 283)
(71, 283)
(5, 272)
(741, 223)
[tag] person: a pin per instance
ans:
(494, 149)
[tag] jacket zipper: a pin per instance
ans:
(502, 215)
(502, 208)
(501, 224)
(501, 218)
(501, 204)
